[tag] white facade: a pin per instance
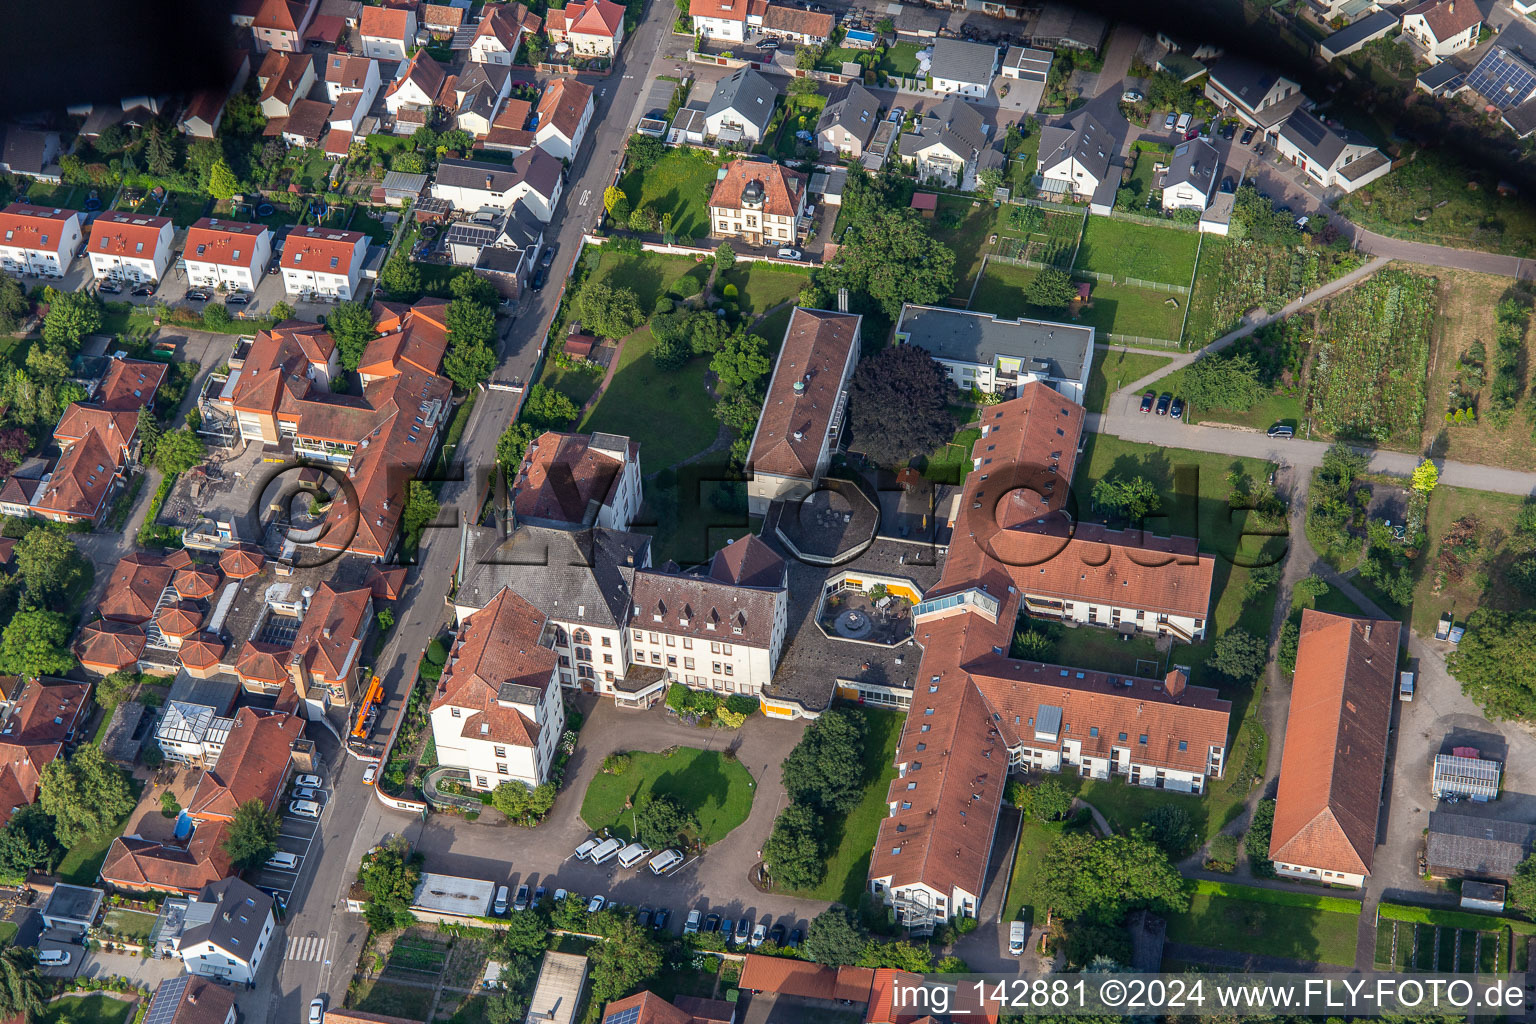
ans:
(731, 30)
(971, 90)
(1435, 48)
(1312, 874)
(232, 276)
(490, 762)
(591, 657)
(135, 267)
(556, 143)
(408, 94)
(957, 902)
(473, 198)
(718, 664)
(1073, 172)
(1331, 176)
(369, 86)
(51, 257)
(340, 284)
(1187, 628)
(213, 961)
(1068, 753)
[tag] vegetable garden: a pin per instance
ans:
(1045, 236)
(1371, 359)
(1238, 274)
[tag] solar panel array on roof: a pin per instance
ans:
(628, 1015)
(1503, 79)
(162, 1009)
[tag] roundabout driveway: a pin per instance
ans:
(717, 880)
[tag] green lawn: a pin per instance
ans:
(1245, 926)
(761, 286)
(900, 59)
(576, 384)
(715, 789)
(131, 923)
(1116, 309)
(1128, 249)
(8, 931)
(184, 208)
(1273, 408)
(852, 838)
(648, 275)
(966, 226)
(667, 411)
(82, 862)
(95, 1009)
(950, 463)
(800, 114)
(1035, 839)
(771, 328)
(680, 183)
(1113, 370)
(40, 193)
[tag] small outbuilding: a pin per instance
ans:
(1473, 777)
(1482, 896)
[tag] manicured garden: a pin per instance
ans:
(761, 286)
(950, 463)
(92, 1009)
(1029, 858)
(667, 411)
(648, 275)
(1113, 309)
(1128, 249)
(1113, 370)
(716, 789)
(1269, 923)
(680, 183)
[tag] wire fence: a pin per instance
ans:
(1135, 282)
(1155, 222)
(1138, 340)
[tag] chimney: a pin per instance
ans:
(1367, 630)
(191, 995)
(488, 180)
(842, 300)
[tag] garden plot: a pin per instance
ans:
(1125, 249)
(1370, 360)
(1440, 949)
(1237, 275)
(1044, 236)
(416, 958)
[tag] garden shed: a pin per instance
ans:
(1456, 775)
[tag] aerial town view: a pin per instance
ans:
(732, 511)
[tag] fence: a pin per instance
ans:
(1155, 222)
(1136, 340)
(1135, 282)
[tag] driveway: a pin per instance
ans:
(715, 881)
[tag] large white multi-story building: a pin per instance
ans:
(574, 481)
(129, 248)
(227, 254)
(497, 712)
(38, 240)
(996, 356)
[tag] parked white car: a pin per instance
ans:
(665, 861)
(304, 808)
(312, 781)
(53, 957)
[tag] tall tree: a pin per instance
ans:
(470, 321)
(725, 257)
(469, 364)
(159, 151)
(71, 316)
(36, 643)
(1223, 382)
(662, 820)
(742, 366)
(833, 939)
(471, 286)
(179, 450)
(1239, 655)
(49, 565)
(1052, 289)
(351, 325)
(793, 853)
(27, 842)
(1522, 888)
(389, 875)
(400, 278)
(23, 993)
(148, 433)
(825, 770)
(514, 441)
(252, 836)
(222, 183)
(899, 405)
(627, 957)
(1493, 663)
(548, 409)
(890, 256)
(608, 312)
(86, 796)
(1101, 880)
(1130, 498)
(13, 304)
(421, 506)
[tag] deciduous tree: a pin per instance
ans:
(351, 325)
(890, 256)
(825, 769)
(389, 875)
(661, 820)
(400, 278)
(85, 795)
(514, 441)
(548, 409)
(1129, 498)
(742, 366)
(1101, 880)
(793, 853)
(71, 316)
(13, 304)
(725, 257)
(1239, 655)
(36, 643)
(899, 405)
(179, 450)
(1493, 663)
(27, 842)
(627, 957)
(421, 506)
(609, 312)
(469, 364)
(49, 565)
(470, 321)
(833, 939)
(252, 836)
(1052, 289)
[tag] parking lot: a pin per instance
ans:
(299, 836)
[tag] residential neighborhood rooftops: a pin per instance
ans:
(853, 108)
(321, 250)
(224, 242)
(798, 21)
(1359, 31)
(778, 190)
(34, 227)
(960, 60)
(1057, 350)
(1315, 140)
(119, 233)
(1195, 163)
(746, 93)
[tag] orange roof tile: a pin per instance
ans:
(196, 581)
(80, 480)
(334, 625)
(139, 864)
(386, 23)
(241, 561)
(252, 766)
(117, 233)
(179, 619)
(135, 587)
(202, 651)
(564, 103)
(261, 663)
(223, 242)
(322, 250)
(106, 646)
(564, 479)
(34, 227)
(497, 645)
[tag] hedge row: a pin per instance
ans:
(1253, 894)
(1453, 918)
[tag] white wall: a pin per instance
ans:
(720, 28)
(17, 260)
(217, 275)
(211, 962)
(950, 85)
(1313, 874)
(491, 763)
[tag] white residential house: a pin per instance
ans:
(323, 263)
(1079, 158)
(1443, 28)
(387, 32)
(129, 247)
(418, 83)
(762, 203)
(948, 145)
(592, 28)
(963, 68)
(227, 932)
(1341, 158)
(1253, 93)
(346, 74)
(38, 240)
(227, 255)
(741, 107)
(565, 111)
(719, 20)
(497, 713)
(996, 355)
(501, 31)
(535, 177)
(1190, 179)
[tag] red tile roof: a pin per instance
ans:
(280, 15)
(563, 478)
(196, 581)
(34, 227)
(1335, 743)
(348, 70)
(783, 189)
(322, 250)
(593, 18)
(224, 242)
(141, 864)
(252, 766)
(1446, 18)
(46, 713)
(724, 10)
(427, 73)
(135, 586)
(442, 17)
(241, 561)
(80, 480)
(116, 233)
(419, 338)
(505, 22)
(202, 651)
(817, 346)
(496, 645)
(386, 23)
(798, 20)
(563, 104)
(329, 639)
(648, 1007)
(130, 384)
(262, 663)
(105, 646)
(787, 977)
(282, 72)
(386, 584)
(179, 619)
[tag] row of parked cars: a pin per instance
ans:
(601, 849)
(741, 931)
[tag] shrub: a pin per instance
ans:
(1223, 854)
(616, 764)
(437, 654)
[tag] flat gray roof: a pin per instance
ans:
(1057, 350)
(451, 894)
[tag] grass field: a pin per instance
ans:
(761, 286)
(96, 1009)
(965, 225)
(131, 923)
(1465, 315)
(82, 862)
(1116, 309)
(716, 790)
(1236, 275)
(1035, 839)
(576, 384)
(771, 328)
(184, 208)
(1463, 589)
(648, 275)
(1456, 208)
(680, 183)
(950, 463)
(8, 930)
(1113, 370)
(1127, 249)
(667, 411)
(1245, 926)
(384, 997)
(852, 838)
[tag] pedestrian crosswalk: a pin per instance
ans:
(306, 947)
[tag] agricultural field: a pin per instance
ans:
(1113, 309)
(1407, 946)
(1465, 318)
(1369, 360)
(1239, 274)
(1127, 249)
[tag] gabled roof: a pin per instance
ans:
(748, 562)
(1090, 144)
(505, 22)
(953, 124)
(592, 18)
(497, 662)
(853, 108)
(1446, 18)
(387, 23)
(799, 20)
(426, 73)
(747, 94)
(281, 73)
(329, 640)
(1244, 80)
(803, 393)
(565, 478)
(564, 103)
(323, 250)
(960, 60)
(689, 604)
(40, 228)
(212, 240)
(1335, 743)
(136, 863)
(135, 587)
(252, 766)
(723, 10)
(571, 575)
(280, 15)
(1316, 141)
(1194, 163)
(46, 712)
(442, 16)
(348, 70)
(1482, 847)
(131, 235)
(308, 120)
(192, 999)
(241, 912)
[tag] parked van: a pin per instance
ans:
(585, 849)
(633, 854)
(1183, 125)
(304, 808)
(283, 859)
(665, 861)
(53, 957)
(1405, 686)
(500, 906)
(1016, 934)
(605, 851)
